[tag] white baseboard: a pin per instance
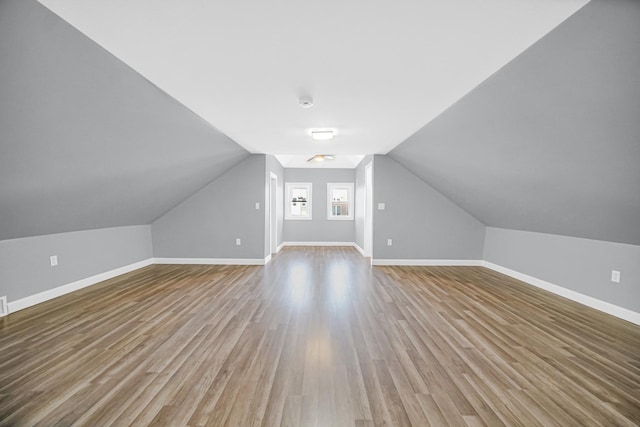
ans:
(359, 249)
(41, 297)
(429, 262)
(74, 286)
(267, 260)
(213, 261)
(280, 246)
(614, 310)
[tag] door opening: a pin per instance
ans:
(368, 211)
(273, 213)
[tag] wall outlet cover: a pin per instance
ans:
(53, 259)
(615, 276)
(381, 206)
(389, 242)
(238, 242)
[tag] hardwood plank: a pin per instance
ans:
(317, 337)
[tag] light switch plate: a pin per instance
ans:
(238, 242)
(381, 206)
(257, 206)
(53, 259)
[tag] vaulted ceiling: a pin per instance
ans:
(524, 120)
(377, 70)
(551, 142)
(85, 141)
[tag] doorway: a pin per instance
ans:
(273, 213)
(368, 211)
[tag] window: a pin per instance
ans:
(340, 201)
(298, 200)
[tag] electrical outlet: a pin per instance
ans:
(4, 308)
(238, 242)
(615, 276)
(53, 259)
(389, 242)
(257, 206)
(381, 206)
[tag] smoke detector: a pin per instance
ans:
(306, 102)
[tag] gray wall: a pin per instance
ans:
(85, 141)
(361, 192)
(207, 224)
(551, 142)
(582, 265)
(273, 165)
(319, 229)
(25, 268)
(423, 223)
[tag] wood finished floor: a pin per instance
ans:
(317, 338)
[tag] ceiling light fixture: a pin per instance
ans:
(321, 158)
(306, 102)
(322, 135)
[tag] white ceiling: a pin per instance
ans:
(377, 70)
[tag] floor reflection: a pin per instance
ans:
(298, 280)
(339, 279)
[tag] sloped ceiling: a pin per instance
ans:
(551, 142)
(86, 142)
(378, 70)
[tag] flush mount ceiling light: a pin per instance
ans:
(321, 158)
(322, 135)
(306, 102)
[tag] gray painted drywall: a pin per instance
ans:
(25, 269)
(361, 192)
(422, 223)
(86, 142)
(551, 142)
(319, 228)
(273, 166)
(207, 224)
(582, 265)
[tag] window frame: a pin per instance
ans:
(288, 186)
(349, 186)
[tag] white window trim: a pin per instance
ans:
(287, 200)
(349, 186)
